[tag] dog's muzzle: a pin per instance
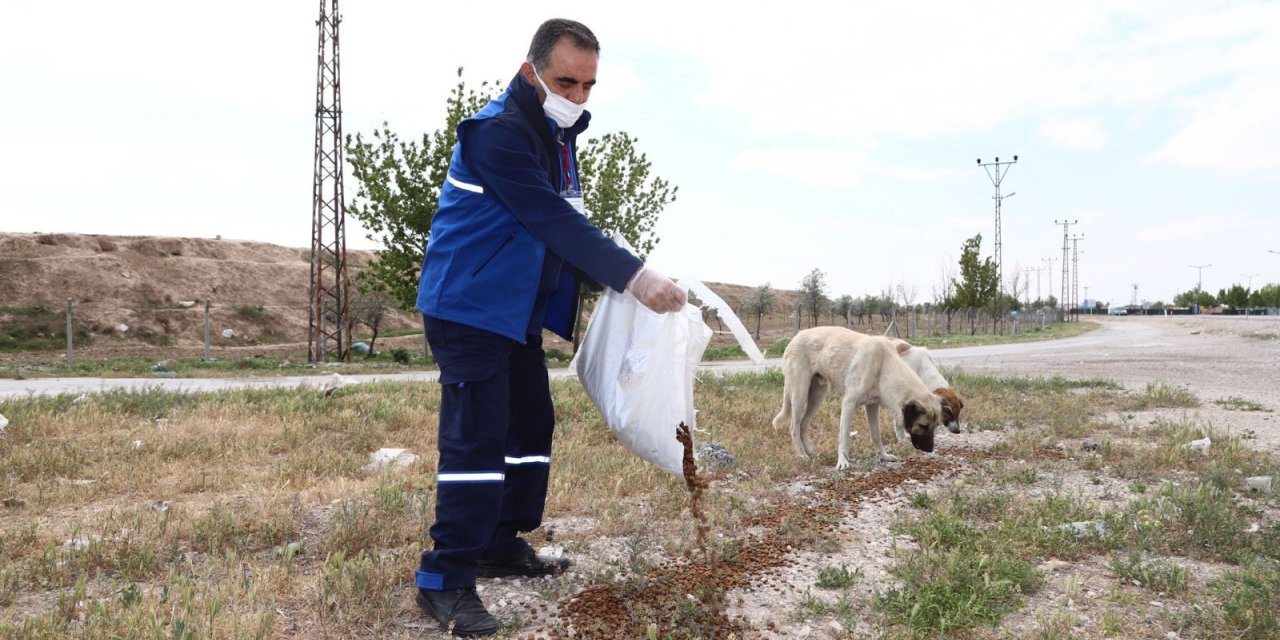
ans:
(922, 441)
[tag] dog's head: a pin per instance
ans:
(920, 420)
(951, 406)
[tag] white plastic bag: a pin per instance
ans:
(638, 366)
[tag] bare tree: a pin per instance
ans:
(944, 295)
(844, 305)
(369, 308)
(907, 294)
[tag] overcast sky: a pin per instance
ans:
(837, 136)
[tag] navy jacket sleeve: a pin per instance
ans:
(505, 165)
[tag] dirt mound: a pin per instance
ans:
(157, 286)
(139, 292)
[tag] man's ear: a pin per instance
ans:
(526, 70)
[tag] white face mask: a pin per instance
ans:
(563, 110)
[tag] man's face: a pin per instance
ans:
(570, 72)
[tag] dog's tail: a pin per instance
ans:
(783, 419)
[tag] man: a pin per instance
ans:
(509, 245)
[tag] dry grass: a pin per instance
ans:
(247, 514)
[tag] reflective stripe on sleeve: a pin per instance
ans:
(473, 188)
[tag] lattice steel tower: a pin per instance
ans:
(994, 172)
(329, 337)
(1064, 301)
(1075, 272)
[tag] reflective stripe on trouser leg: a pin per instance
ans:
(528, 448)
(469, 484)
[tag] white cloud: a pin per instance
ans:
(828, 168)
(1239, 130)
(1076, 134)
(1186, 229)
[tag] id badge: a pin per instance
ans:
(575, 199)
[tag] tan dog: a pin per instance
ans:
(922, 362)
(867, 371)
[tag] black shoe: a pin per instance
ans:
(524, 563)
(459, 611)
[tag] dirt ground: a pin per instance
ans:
(1215, 358)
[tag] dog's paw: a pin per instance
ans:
(842, 464)
(888, 457)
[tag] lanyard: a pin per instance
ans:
(568, 167)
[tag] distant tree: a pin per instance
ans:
(1194, 297)
(1237, 297)
(760, 302)
(1267, 296)
(368, 306)
(813, 293)
(944, 296)
(844, 306)
(907, 294)
(976, 289)
(859, 309)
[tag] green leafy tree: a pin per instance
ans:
(1194, 297)
(620, 190)
(760, 302)
(978, 285)
(399, 190)
(1237, 297)
(1267, 296)
(813, 289)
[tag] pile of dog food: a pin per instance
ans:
(687, 597)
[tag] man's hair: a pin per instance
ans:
(545, 39)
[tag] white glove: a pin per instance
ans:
(656, 291)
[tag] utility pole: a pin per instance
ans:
(1049, 272)
(1199, 270)
(994, 171)
(329, 335)
(1075, 272)
(1066, 275)
(1026, 290)
(1250, 276)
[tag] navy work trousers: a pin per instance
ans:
(496, 422)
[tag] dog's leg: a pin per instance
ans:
(900, 432)
(848, 408)
(873, 423)
(817, 392)
(798, 394)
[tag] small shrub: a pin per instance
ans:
(837, 578)
(252, 312)
(400, 355)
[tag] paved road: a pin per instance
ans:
(1118, 341)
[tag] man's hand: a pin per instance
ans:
(656, 291)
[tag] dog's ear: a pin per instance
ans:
(951, 406)
(903, 348)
